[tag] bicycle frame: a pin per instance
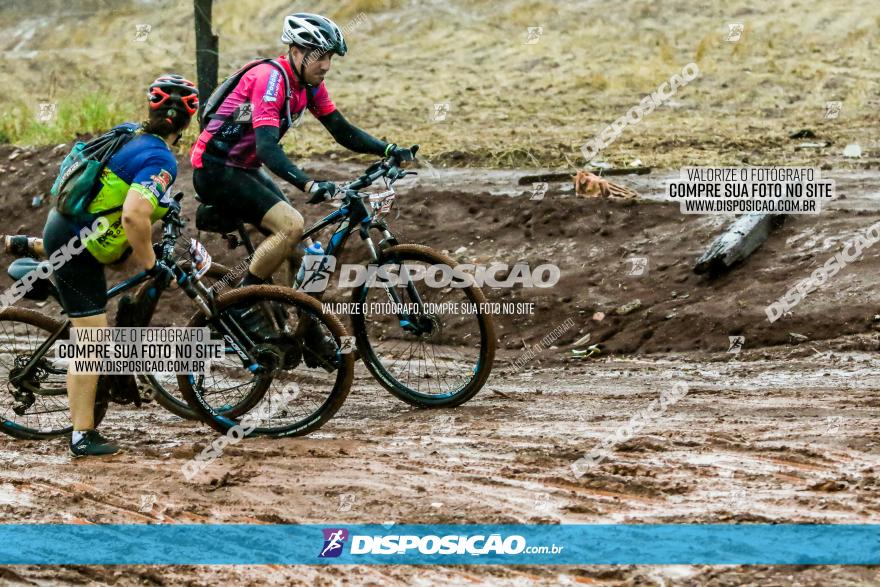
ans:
(356, 216)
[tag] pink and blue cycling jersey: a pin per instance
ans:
(234, 144)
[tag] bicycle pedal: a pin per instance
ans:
(313, 359)
(121, 389)
(147, 392)
(232, 241)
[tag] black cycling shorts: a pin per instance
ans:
(245, 194)
(80, 281)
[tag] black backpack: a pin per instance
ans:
(219, 95)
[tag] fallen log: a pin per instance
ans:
(567, 175)
(741, 239)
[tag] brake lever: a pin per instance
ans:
(374, 167)
(342, 196)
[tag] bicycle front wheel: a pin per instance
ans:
(438, 353)
(169, 312)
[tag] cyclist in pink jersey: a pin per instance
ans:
(244, 133)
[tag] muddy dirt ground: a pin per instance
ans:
(770, 440)
(787, 430)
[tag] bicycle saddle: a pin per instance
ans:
(40, 289)
(210, 219)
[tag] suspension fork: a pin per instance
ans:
(232, 332)
(389, 240)
(406, 319)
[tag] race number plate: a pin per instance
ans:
(382, 203)
(201, 258)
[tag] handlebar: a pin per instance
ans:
(384, 168)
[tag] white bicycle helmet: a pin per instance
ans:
(313, 31)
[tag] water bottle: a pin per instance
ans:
(313, 253)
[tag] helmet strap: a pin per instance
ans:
(300, 74)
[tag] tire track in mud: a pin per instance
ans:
(756, 439)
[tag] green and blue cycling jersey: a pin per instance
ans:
(146, 165)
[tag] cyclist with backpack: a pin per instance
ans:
(132, 192)
(243, 122)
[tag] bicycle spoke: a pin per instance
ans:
(48, 413)
(286, 395)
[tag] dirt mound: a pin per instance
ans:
(666, 308)
(733, 450)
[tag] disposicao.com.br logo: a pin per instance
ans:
(334, 541)
(451, 544)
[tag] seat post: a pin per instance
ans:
(246, 239)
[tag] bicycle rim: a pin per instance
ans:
(446, 361)
(22, 331)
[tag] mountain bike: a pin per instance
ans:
(137, 309)
(429, 346)
(252, 369)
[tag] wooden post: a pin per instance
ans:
(207, 47)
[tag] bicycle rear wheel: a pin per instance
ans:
(284, 398)
(442, 355)
(36, 408)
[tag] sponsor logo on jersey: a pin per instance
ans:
(161, 181)
(271, 93)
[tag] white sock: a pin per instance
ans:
(77, 436)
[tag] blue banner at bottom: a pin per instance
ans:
(419, 544)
